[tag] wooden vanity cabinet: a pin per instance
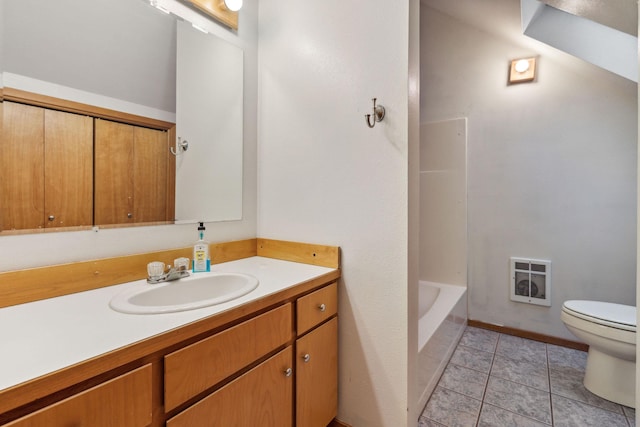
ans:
(275, 367)
(196, 368)
(132, 174)
(317, 358)
(124, 401)
(264, 395)
(261, 397)
(47, 168)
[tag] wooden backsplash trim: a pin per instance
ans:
(307, 253)
(22, 286)
(17, 287)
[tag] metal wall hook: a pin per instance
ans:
(378, 114)
(182, 147)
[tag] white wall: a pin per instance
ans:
(24, 251)
(552, 166)
(325, 177)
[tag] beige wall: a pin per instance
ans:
(552, 165)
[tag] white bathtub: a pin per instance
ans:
(443, 317)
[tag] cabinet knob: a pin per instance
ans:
(288, 372)
(306, 358)
(322, 307)
(51, 217)
(129, 215)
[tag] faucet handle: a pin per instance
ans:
(181, 263)
(155, 270)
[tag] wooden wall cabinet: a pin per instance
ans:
(132, 174)
(51, 173)
(47, 168)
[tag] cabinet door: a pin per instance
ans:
(124, 401)
(199, 366)
(150, 175)
(22, 167)
(317, 376)
(113, 173)
(261, 397)
(68, 169)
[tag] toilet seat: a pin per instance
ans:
(617, 316)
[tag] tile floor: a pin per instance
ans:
(500, 380)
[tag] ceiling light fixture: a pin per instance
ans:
(522, 70)
(233, 5)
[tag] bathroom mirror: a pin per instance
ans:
(122, 55)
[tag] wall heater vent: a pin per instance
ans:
(531, 281)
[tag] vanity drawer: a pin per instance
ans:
(195, 368)
(316, 307)
(123, 401)
(261, 397)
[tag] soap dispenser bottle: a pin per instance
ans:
(201, 259)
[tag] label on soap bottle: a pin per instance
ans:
(200, 261)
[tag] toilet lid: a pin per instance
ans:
(607, 313)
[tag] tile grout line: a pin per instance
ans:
(546, 352)
(495, 354)
(486, 385)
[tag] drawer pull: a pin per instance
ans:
(288, 372)
(322, 307)
(306, 358)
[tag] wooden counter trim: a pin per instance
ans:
(31, 98)
(21, 286)
(22, 394)
(324, 256)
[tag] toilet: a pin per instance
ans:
(610, 331)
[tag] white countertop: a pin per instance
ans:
(41, 337)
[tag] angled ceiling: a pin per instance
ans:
(621, 15)
(602, 32)
(581, 36)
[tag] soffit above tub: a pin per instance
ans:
(609, 48)
(621, 15)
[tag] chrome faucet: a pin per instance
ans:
(157, 273)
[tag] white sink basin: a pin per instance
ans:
(196, 291)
